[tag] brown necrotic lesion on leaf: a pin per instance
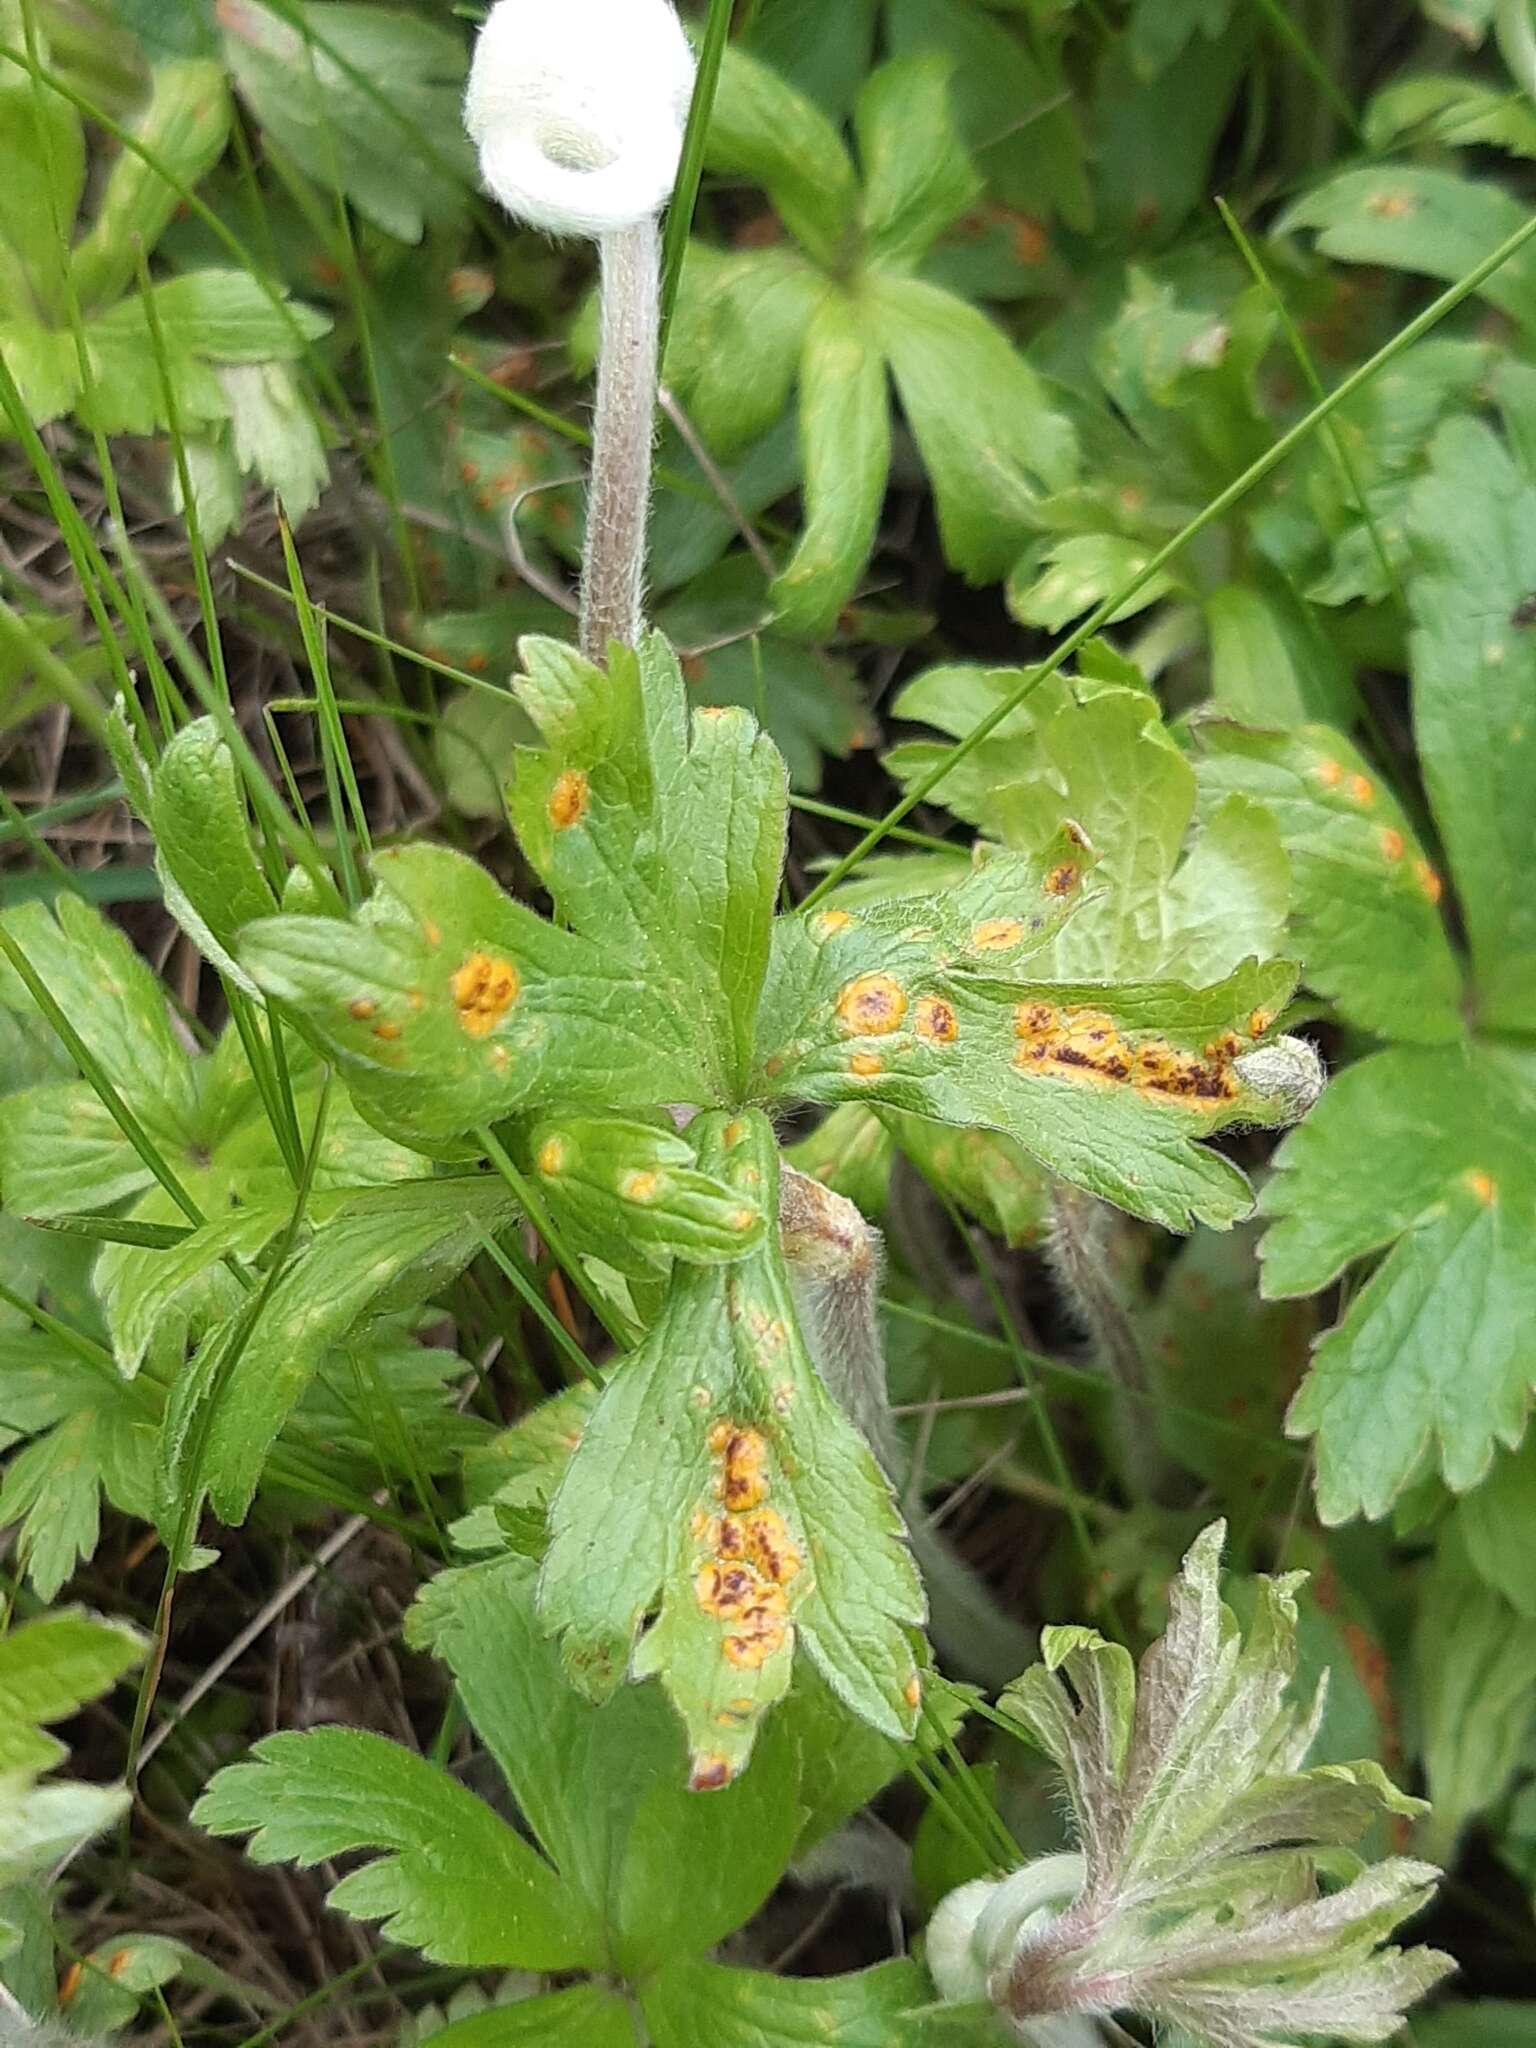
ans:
(484, 989)
(1086, 1045)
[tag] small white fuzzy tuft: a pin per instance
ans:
(577, 108)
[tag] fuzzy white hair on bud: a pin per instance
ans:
(577, 109)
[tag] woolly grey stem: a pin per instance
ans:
(1083, 1253)
(619, 497)
(833, 1258)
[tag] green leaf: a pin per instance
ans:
(689, 2004)
(212, 880)
(274, 434)
(1100, 754)
(585, 2016)
(718, 1478)
(1106, 1084)
(738, 337)
(989, 435)
(369, 106)
(1497, 1524)
(635, 1197)
(918, 176)
(1474, 1664)
(114, 1003)
(845, 438)
(61, 1151)
(660, 833)
(1272, 662)
(48, 1669)
(147, 1292)
(1068, 577)
(184, 127)
(824, 53)
(1424, 1154)
(763, 129)
(185, 31)
(447, 1005)
(1160, 29)
(89, 1437)
(654, 1872)
(1460, 113)
(42, 145)
(1366, 919)
(384, 1248)
(1025, 135)
(451, 1879)
(221, 315)
(1409, 217)
(1473, 519)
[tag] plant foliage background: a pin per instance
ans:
(1096, 515)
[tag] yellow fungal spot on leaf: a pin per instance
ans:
(432, 933)
(1086, 1045)
(871, 1005)
(70, 1982)
(769, 1547)
(568, 799)
(1392, 205)
(1063, 878)
(997, 934)
(1329, 774)
(484, 989)
(1428, 880)
(1259, 1022)
(735, 1132)
(416, 999)
(1362, 790)
(501, 1059)
(1392, 843)
(1483, 1185)
(387, 1031)
(362, 1009)
(640, 1187)
(830, 923)
(866, 1065)
(935, 1020)
(914, 1692)
(744, 1453)
(552, 1154)
(744, 1219)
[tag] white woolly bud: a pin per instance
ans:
(977, 1930)
(577, 108)
(1288, 1071)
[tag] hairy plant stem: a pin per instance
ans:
(833, 1257)
(1088, 1263)
(619, 497)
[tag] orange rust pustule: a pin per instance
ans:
(568, 799)
(997, 934)
(935, 1020)
(871, 1005)
(1063, 878)
(746, 1485)
(1087, 1045)
(769, 1547)
(484, 989)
